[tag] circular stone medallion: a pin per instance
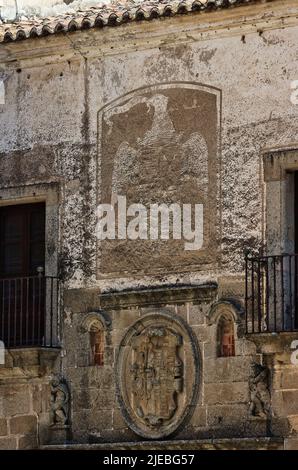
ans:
(157, 375)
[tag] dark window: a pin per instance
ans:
(22, 239)
(225, 337)
(296, 209)
(296, 246)
(22, 290)
(97, 347)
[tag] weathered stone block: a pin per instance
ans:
(16, 399)
(81, 300)
(46, 397)
(290, 402)
(118, 420)
(3, 427)
(23, 425)
(37, 398)
(231, 287)
(117, 335)
(244, 347)
(181, 311)
(82, 359)
(125, 318)
(81, 399)
(202, 332)
(27, 442)
(93, 398)
(221, 393)
(93, 376)
(291, 444)
(289, 378)
(227, 369)
(8, 443)
(199, 418)
(210, 350)
(280, 426)
(256, 427)
(109, 356)
(197, 313)
(277, 379)
(90, 420)
(277, 402)
(293, 424)
(227, 415)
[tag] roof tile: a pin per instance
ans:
(114, 14)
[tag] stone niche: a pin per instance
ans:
(160, 145)
(158, 375)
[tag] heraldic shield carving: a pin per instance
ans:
(157, 375)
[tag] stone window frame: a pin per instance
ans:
(49, 194)
(279, 163)
(35, 193)
(100, 320)
(231, 309)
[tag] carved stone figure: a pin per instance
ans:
(157, 375)
(259, 392)
(59, 402)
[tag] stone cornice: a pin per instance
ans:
(158, 296)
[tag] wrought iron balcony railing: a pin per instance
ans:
(271, 299)
(29, 311)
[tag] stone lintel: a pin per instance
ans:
(277, 161)
(157, 296)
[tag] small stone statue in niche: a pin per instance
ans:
(259, 392)
(60, 398)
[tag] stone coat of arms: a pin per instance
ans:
(157, 375)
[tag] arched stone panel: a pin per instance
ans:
(160, 145)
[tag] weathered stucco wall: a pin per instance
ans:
(53, 108)
(56, 90)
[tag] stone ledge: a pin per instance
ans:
(38, 361)
(159, 295)
(208, 444)
(273, 343)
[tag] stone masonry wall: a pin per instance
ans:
(24, 405)
(222, 409)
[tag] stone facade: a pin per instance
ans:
(173, 110)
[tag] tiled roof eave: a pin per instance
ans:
(114, 15)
